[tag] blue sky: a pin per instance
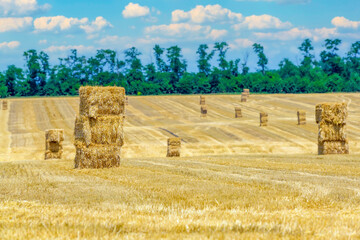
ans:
(56, 26)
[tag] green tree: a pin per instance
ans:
(331, 62)
(160, 63)
(13, 74)
(177, 65)
(222, 48)
(263, 61)
(204, 58)
(134, 75)
(3, 87)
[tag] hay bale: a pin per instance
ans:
(4, 105)
(247, 91)
(263, 119)
(333, 147)
(202, 100)
(238, 113)
(334, 113)
(98, 129)
(173, 147)
(301, 115)
(331, 132)
(244, 97)
(54, 143)
(126, 101)
(203, 110)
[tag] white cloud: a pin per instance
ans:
(43, 41)
(178, 29)
(262, 22)
(135, 10)
(61, 23)
(14, 24)
(11, 45)
(216, 34)
(342, 22)
(240, 43)
(21, 7)
(98, 24)
(63, 48)
(210, 13)
(297, 33)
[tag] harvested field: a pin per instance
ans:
(234, 179)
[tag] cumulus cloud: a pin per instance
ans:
(61, 23)
(216, 34)
(297, 33)
(135, 10)
(241, 43)
(63, 48)
(262, 22)
(210, 13)
(9, 45)
(342, 22)
(178, 29)
(14, 24)
(21, 7)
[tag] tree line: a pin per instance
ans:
(168, 74)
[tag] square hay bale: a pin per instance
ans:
(330, 132)
(247, 91)
(334, 113)
(333, 147)
(4, 105)
(263, 119)
(301, 115)
(202, 100)
(173, 147)
(203, 110)
(243, 97)
(126, 101)
(100, 101)
(238, 113)
(97, 156)
(54, 143)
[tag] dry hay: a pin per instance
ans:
(263, 119)
(238, 113)
(99, 128)
(203, 110)
(246, 92)
(126, 101)
(244, 97)
(301, 115)
(173, 147)
(54, 143)
(4, 105)
(202, 100)
(332, 137)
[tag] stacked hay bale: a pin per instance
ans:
(243, 97)
(4, 105)
(246, 92)
(126, 101)
(99, 127)
(263, 119)
(54, 143)
(173, 147)
(202, 100)
(332, 138)
(301, 117)
(203, 111)
(238, 113)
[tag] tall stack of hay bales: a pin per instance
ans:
(203, 111)
(332, 138)
(243, 97)
(246, 92)
(54, 143)
(202, 100)
(99, 127)
(173, 147)
(4, 105)
(238, 113)
(263, 119)
(301, 117)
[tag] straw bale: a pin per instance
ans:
(333, 147)
(244, 97)
(203, 110)
(126, 101)
(173, 147)
(53, 155)
(107, 130)
(97, 155)
(4, 105)
(82, 130)
(54, 135)
(301, 115)
(334, 113)
(238, 113)
(245, 90)
(100, 101)
(263, 119)
(53, 143)
(330, 132)
(202, 100)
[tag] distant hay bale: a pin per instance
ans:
(126, 101)
(54, 143)
(238, 113)
(4, 105)
(263, 119)
(244, 97)
(98, 129)
(202, 100)
(332, 137)
(173, 147)
(301, 115)
(203, 110)
(246, 92)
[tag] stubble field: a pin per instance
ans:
(234, 179)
